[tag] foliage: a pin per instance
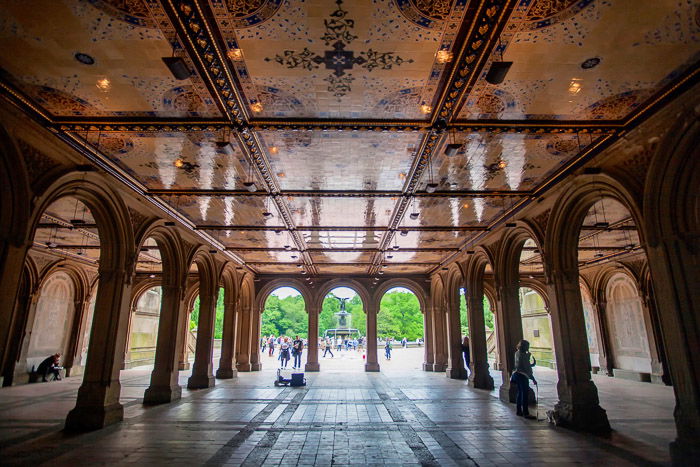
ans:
(286, 316)
(219, 321)
(327, 319)
(400, 316)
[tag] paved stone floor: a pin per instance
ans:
(401, 416)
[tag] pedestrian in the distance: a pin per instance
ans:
(284, 352)
(327, 347)
(465, 352)
(387, 349)
(522, 373)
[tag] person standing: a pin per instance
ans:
(522, 373)
(387, 349)
(339, 344)
(271, 345)
(284, 352)
(465, 352)
(263, 343)
(297, 349)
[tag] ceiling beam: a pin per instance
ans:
(342, 193)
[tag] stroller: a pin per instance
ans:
(287, 378)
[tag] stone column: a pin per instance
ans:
(578, 406)
(428, 344)
(74, 345)
(183, 351)
(605, 360)
(98, 397)
(312, 347)
(256, 317)
(657, 370)
(479, 377)
(202, 370)
(510, 333)
(455, 361)
(439, 339)
(12, 258)
(127, 344)
(227, 362)
(164, 377)
(371, 312)
(244, 332)
(20, 371)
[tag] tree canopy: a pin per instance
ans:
(218, 323)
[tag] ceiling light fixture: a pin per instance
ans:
(267, 214)
(235, 54)
(404, 233)
(443, 56)
(288, 247)
(273, 150)
(103, 84)
(395, 247)
(426, 109)
(179, 163)
(256, 107)
(499, 69)
(177, 67)
(51, 245)
(502, 164)
(250, 184)
(431, 186)
(452, 148)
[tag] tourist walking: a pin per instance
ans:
(339, 344)
(404, 342)
(465, 352)
(522, 373)
(297, 348)
(327, 347)
(284, 352)
(387, 349)
(263, 344)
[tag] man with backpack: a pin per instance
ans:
(297, 348)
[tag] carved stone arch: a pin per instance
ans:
(601, 279)
(418, 290)
(108, 209)
(31, 274)
(538, 287)
(295, 284)
(140, 288)
(228, 279)
(570, 209)
(246, 296)
(174, 270)
(207, 269)
(511, 245)
(16, 195)
(359, 289)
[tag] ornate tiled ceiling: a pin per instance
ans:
(340, 113)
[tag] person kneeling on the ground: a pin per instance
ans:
(521, 374)
(50, 365)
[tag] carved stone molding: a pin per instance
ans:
(37, 163)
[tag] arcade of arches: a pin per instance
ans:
(146, 215)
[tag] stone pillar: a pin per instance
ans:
(312, 347)
(605, 361)
(675, 270)
(98, 397)
(244, 332)
(12, 258)
(183, 351)
(428, 344)
(127, 343)
(578, 406)
(20, 372)
(455, 360)
(202, 370)
(256, 317)
(510, 333)
(479, 377)
(74, 346)
(164, 377)
(439, 339)
(657, 369)
(227, 362)
(371, 312)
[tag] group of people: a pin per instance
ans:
(328, 343)
(287, 348)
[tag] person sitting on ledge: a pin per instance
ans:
(50, 365)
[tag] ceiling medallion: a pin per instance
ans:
(85, 59)
(590, 63)
(338, 35)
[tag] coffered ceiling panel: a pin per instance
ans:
(176, 160)
(361, 212)
(275, 268)
(408, 268)
(587, 59)
(342, 269)
(414, 257)
(269, 256)
(226, 210)
(332, 160)
(342, 239)
(455, 212)
(250, 238)
(503, 161)
(443, 239)
(330, 256)
(343, 59)
(97, 58)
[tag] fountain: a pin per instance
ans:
(344, 319)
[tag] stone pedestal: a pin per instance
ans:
(201, 381)
(427, 367)
(226, 373)
(162, 394)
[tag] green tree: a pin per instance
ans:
(400, 316)
(327, 318)
(285, 316)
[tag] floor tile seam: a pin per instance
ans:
(224, 453)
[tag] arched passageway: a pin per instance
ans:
(285, 322)
(343, 328)
(400, 325)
